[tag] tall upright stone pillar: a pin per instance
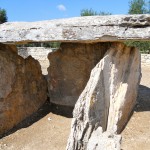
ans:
(105, 104)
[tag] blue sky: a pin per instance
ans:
(36, 10)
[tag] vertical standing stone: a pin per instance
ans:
(23, 89)
(108, 98)
(125, 79)
(70, 69)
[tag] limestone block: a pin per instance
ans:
(108, 97)
(70, 69)
(145, 59)
(79, 29)
(23, 89)
(104, 141)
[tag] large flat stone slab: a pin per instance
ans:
(83, 29)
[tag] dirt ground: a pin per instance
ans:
(49, 127)
(136, 135)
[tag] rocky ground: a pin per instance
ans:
(48, 129)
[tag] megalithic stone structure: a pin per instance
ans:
(104, 106)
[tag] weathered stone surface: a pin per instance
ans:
(23, 89)
(108, 97)
(104, 141)
(145, 59)
(85, 29)
(38, 53)
(70, 69)
(98, 140)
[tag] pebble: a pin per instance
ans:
(49, 119)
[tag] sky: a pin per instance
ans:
(38, 10)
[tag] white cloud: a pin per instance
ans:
(61, 7)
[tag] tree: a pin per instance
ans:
(3, 16)
(143, 46)
(91, 12)
(88, 12)
(139, 7)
